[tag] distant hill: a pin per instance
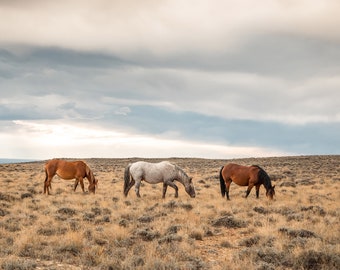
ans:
(14, 160)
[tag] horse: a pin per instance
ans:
(154, 173)
(245, 176)
(69, 170)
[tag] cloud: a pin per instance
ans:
(43, 86)
(254, 78)
(55, 139)
(123, 111)
(162, 27)
(237, 95)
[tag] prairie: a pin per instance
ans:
(300, 229)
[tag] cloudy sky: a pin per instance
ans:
(156, 78)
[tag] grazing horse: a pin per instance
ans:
(69, 170)
(154, 173)
(245, 176)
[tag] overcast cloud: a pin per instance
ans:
(215, 79)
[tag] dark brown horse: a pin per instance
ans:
(69, 170)
(245, 176)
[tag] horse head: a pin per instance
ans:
(189, 188)
(93, 183)
(270, 192)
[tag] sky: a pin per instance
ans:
(154, 78)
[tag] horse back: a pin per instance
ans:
(240, 174)
(66, 169)
(151, 172)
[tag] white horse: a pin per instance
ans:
(154, 173)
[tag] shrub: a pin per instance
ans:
(267, 255)
(66, 211)
(145, 219)
(170, 238)
(196, 235)
(26, 195)
(298, 233)
(51, 231)
(89, 217)
(3, 212)
(260, 210)
(147, 234)
(315, 260)
(226, 244)
(70, 248)
(187, 206)
(171, 205)
(6, 197)
(173, 229)
(250, 241)
(27, 250)
(133, 262)
(229, 222)
(18, 264)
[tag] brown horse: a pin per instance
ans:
(69, 170)
(245, 176)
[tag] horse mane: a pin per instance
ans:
(90, 173)
(264, 176)
(181, 172)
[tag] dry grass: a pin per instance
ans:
(67, 230)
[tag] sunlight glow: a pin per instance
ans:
(48, 140)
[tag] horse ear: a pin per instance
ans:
(273, 186)
(190, 179)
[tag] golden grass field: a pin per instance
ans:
(300, 229)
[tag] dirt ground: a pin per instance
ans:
(300, 229)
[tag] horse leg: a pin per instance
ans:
(47, 185)
(257, 191)
(75, 184)
(82, 184)
(250, 186)
(173, 185)
(77, 181)
(137, 186)
(165, 186)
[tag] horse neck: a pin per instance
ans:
(266, 179)
(182, 177)
(89, 174)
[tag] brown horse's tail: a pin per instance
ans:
(46, 177)
(46, 187)
(126, 179)
(222, 183)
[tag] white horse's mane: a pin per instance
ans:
(181, 172)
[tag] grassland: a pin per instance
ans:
(72, 230)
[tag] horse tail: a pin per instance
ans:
(46, 176)
(222, 183)
(126, 179)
